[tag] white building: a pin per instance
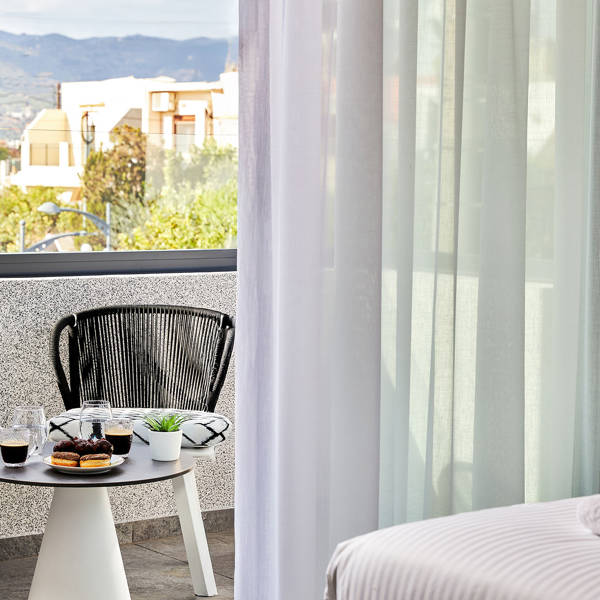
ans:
(174, 115)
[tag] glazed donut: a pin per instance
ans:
(65, 459)
(94, 460)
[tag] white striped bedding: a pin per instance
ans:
(522, 552)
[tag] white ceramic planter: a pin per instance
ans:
(165, 445)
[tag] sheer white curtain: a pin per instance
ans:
(418, 313)
(309, 269)
(489, 325)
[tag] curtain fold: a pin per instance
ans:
(554, 464)
(587, 424)
(255, 470)
(496, 95)
(308, 327)
(398, 211)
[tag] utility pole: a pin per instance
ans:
(22, 235)
(107, 235)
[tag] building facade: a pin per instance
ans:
(173, 115)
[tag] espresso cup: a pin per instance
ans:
(15, 446)
(119, 432)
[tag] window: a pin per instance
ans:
(185, 131)
(118, 136)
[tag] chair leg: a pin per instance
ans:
(194, 536)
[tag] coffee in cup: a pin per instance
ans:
(119, 432)
(15, 446)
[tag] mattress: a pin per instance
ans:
(528, 551)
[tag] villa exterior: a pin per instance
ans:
(174, 115)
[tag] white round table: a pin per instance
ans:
(80, 555)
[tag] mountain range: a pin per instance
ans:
(32, 65)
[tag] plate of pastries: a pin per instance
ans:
(83, 457)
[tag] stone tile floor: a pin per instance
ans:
(156, 569)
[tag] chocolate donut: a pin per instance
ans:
(83, 447)
(64, 446)
(104, 446)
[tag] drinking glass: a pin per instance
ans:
(15, 446)
(92, 419)
(33, 419)
(119, 432)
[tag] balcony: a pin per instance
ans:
(153, 553)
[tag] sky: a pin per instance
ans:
(175, 19)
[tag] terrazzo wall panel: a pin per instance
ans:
(28, 310)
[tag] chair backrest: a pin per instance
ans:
(151, 356)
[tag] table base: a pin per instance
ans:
(80, 555)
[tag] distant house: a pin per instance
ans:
(174, 115)
(47, 153)
(180, 114)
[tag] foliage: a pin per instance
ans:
(162, 200)
(16, 204)
(205, 218)
(4, 153)
(166, 423)
(116, 175)
(210, 164)
(192, 204)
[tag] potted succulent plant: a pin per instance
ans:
(165, 436)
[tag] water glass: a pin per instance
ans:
(15, 446)
(92, 419)
(33, 419)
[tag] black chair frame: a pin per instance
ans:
(151, 356)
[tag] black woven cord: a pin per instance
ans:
(144, 356)
(66, 390)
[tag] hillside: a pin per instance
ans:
(31, 65)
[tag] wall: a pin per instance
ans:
(28, 310)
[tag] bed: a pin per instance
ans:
(528, 551)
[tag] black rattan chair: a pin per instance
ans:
(144, 356)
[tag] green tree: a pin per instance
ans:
(209, 164)
(4, 153)
(191, 201)
(208, 220)
(116, 175)
(15, 204)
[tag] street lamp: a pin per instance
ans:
(50, 208)
(88, 133)
(41, 246)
